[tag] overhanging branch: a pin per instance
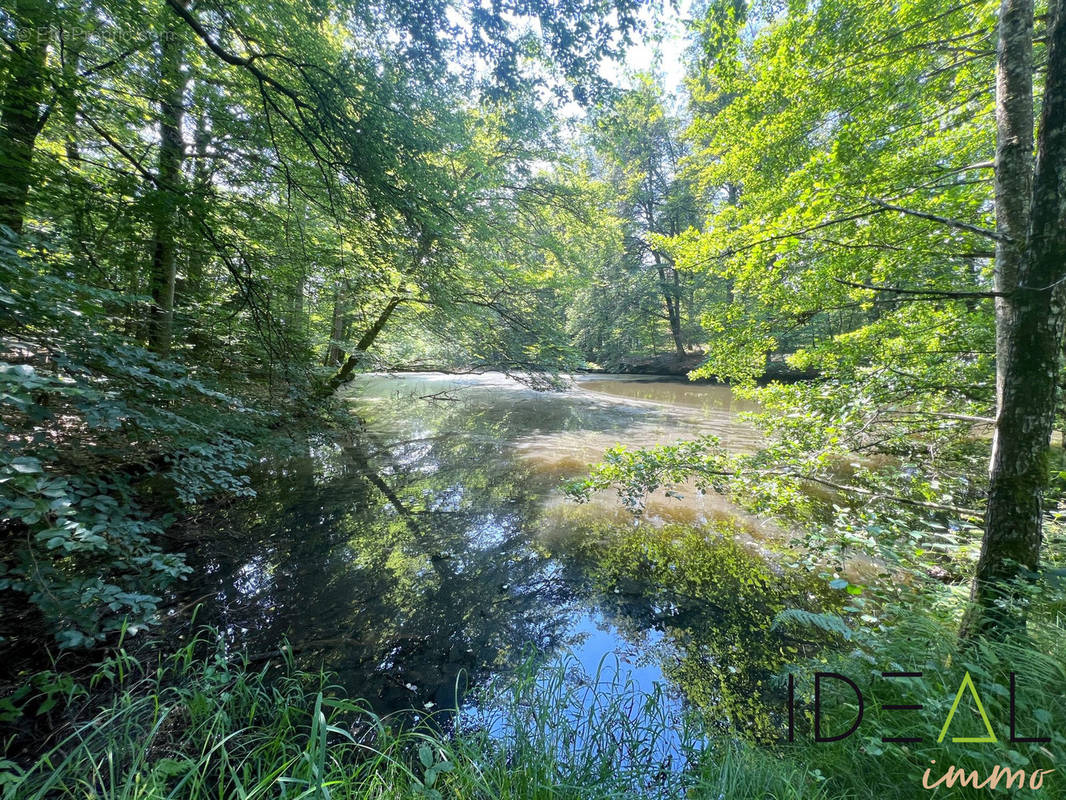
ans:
(948, 221)
(924, 293)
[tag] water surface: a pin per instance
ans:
(435, 550)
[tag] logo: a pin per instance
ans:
(999, 777)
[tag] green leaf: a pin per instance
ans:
(425, 755)
(26, 465)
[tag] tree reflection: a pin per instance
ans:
(713, 599)
(414, 557)
(404, 566)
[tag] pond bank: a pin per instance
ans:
(675, 366)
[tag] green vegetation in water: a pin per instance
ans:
(713, 602)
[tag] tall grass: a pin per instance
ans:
(863, 765)
(216, 728)
(204, 725)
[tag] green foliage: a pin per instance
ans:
(85, 555)
(41, 693)
(634, 298)
(841, 153)
(887, 515)
(355, 153)
(202, 725)
(818, 205)
(637, 473)
(801, 132)
(89, 420)
(926, 642)
(801, 618)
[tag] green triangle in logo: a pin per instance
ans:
(968, 682)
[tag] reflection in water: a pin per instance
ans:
(711, 399)
(703, 602)
(434, 550)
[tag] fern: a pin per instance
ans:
(830, 623)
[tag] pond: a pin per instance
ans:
(436, 550)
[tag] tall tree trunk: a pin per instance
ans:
(300, 320)
(20, 107)
(334, 353)
(172, 81)
(1013, 533)
(1013, 168)
(201, 187)
(69, 98)
(675, 322)
(77, 190)
(672, 298)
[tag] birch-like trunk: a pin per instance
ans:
(1013, 167)
(1019, 474)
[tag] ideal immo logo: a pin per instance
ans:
(934, 776)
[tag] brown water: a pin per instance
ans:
(437, 549)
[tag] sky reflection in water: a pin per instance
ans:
(435, 550)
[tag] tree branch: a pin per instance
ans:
(951, 223)
(231, 59)
(929, 293)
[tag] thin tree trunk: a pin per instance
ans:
(675, 323)
(1062, 418)
(344, 374)
(672, 299)
(300, 319)
(732, 198)
(20, 116)
(1019, 476)
(68, 99)
(334, 354)
(1013, 168)
(171, 149)
(76, 186)
(201, 178)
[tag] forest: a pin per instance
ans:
(532, 399)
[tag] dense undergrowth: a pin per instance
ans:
(106, 442)
(201, 723)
